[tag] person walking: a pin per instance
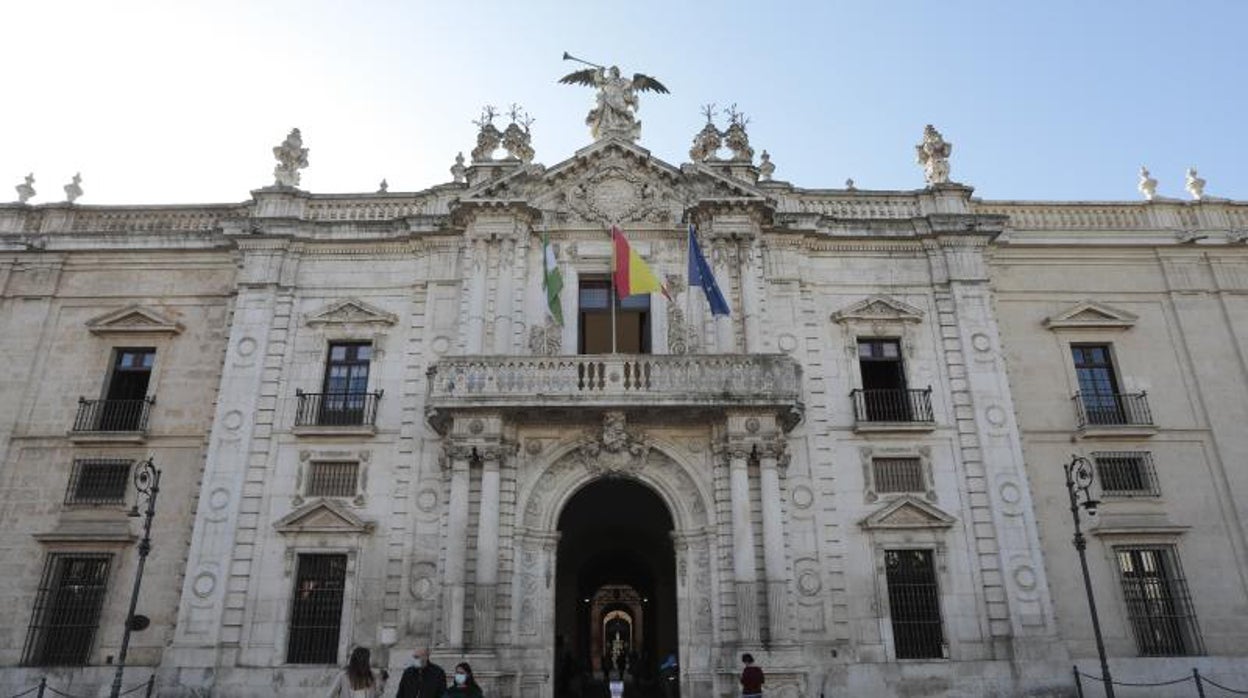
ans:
(358, 679)
(751, 678)
(422, 678)
(465, 685)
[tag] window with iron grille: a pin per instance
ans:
(1127, 473)
(98, 481)
(914, 604)
(67, 610)
(894, 475)
(332, 478)
(1158, 604)
(316, 612)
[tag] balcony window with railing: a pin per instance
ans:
(336, 409)
(126, 405)
(893, 406)
(1112, 409)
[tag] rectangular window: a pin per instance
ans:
(893, 475)
(316, 611)
(1126, 473)
(632, 320)
(67, 610)
(1158, 604)
(98, 481)
(1098, 385)
(346, 383)
(914, 604)
(332, 478)
(125, 399)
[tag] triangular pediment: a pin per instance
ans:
(877, 308)
(612, 181)
(907, 512)
(350, 311)
(322, 516)
(133, 319)
(1091, 314)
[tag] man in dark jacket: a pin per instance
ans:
(422, 678)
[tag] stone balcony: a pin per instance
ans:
(677, 385)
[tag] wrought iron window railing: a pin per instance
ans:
(1126, 473)
(914, 604)
(316, 613)
(898, 405)
(98, 481)
(336, 409)
(113, 415)
(67, 608)
(1112, 409)
(1158, 603)
(332, 478)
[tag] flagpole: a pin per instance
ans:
(611, 288)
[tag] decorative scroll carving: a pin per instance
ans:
(615, 451)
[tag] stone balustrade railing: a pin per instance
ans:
(854, 208)
(616, 380)
(1155, 215)
(64, 218)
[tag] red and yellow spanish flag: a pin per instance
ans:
(630, 272)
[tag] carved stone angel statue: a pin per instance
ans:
(617, 100)
(933, 155)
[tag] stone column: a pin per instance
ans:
(487, 548)
(771, 455)
(743, 545)
(458, 457)
(503, 296)
(750, 267)
(477, 256)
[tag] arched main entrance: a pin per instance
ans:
(615, 590)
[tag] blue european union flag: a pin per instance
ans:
(700, 275)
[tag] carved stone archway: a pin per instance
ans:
(544, 489)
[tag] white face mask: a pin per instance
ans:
(416, 662)
(461, 679)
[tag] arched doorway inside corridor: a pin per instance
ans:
(615, 591)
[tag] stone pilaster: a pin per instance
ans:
(751, 306)
(503, 301)
(485, 588)
(770, 457)
(477, 261)
(743, 545)
(458, 457)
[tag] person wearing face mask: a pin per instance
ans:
(465, 686)
(422, 678)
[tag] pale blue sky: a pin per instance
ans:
(181, 102)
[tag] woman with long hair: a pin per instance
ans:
(465, 685)
(358, 680)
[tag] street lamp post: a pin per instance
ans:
(1078, 481)
(147, 485)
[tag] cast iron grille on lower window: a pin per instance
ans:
(67, 610)
(1158, 604)
(336, 409)
(894, 475)
(98, 481)
(914, 604)
(1127, 473)
(316, 613)
(332, 478)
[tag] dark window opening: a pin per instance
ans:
(125, 401)
(98, 481)
(632, 320)
(67, 610)
(884, 394)
(1098, 386)
(914, 604)
(316, 612)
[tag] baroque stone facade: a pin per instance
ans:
(783, 489)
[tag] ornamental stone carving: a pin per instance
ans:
(458, 171)
(737, 140)
(488, 137)
(516, 138)
(613, 115)
(546, 339)
(1147, 185)
(26, 190)
(708, 141)
(933, 155)
(1194, 185)
(291, 157)
(72, 190)
(615, 451)
(766, 168)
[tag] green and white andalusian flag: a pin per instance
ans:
(552, 280)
